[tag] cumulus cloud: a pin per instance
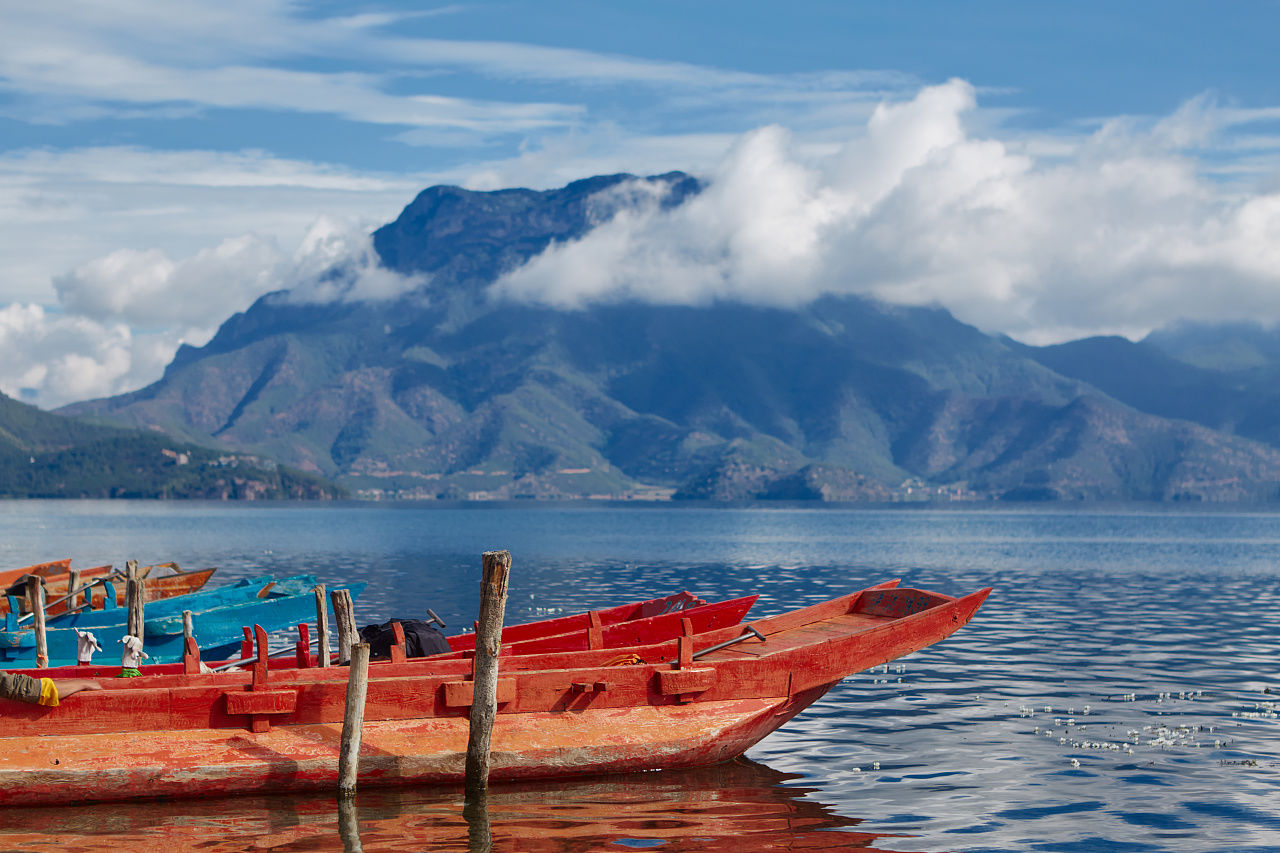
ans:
(49, 359)
(148, 289)
(1115, 232)
(120, 318)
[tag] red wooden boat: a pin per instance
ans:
(164, 580)
(55, 567)
(582, 621)
(695, 700)
(591, 632)
(56, 586)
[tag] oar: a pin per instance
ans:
(747, 634)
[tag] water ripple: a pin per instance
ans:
(1112, 694)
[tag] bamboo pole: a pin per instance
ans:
(35, 600)
(484, 704)
(353, 720)
(344, 614)
(322, 626)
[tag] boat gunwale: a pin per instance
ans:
(557, 665)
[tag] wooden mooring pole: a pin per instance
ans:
(35, 600)
(344, 614)
(484, 704)
(136, 597)
(322, 626)
(353, 719)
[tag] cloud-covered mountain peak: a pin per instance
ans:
(449, 392)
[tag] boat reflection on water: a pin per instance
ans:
(741, 806)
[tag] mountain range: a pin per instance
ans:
(446, 392)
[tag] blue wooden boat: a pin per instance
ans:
(218, 628)
(111, 613)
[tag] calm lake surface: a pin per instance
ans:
(1115, 692)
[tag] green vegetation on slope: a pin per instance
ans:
(43, 455)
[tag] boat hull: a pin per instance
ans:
(568, 714)
(393, 752)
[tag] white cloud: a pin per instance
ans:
(51, 359)
(121, 317)
(605, 149)
(146, 289)
(65, 57)
(1115, 231)
(62, 209)
(66, 60)
(115, 256)
(337, 263)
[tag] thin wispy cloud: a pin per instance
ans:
(351, 95)
(252, 56)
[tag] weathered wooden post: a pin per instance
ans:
(353, 720)
(344, 613)
(188, 628)
(35, 600)
(484, 703)
(322, 626)
(349, 825)
(136, 596)
(73, 584)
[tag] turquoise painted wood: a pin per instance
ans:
(217, 631)
(244, 590)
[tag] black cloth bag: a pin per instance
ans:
(420, 639)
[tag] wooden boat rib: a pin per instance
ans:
(565, 714)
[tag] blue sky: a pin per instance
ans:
(1044, 170)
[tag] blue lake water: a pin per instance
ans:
(1114, 693)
